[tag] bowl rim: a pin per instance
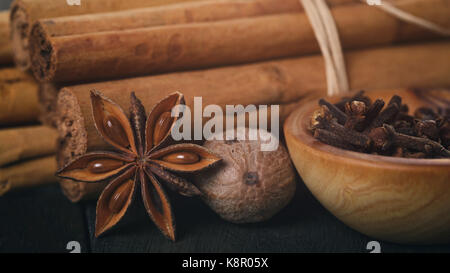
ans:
(308, 140)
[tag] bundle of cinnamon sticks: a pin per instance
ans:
(175, 42)
(27, 157)
(27, 149)
(25, 12)
(226, 51)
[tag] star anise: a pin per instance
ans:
(147, 154)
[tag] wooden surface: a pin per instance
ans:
(42, 220)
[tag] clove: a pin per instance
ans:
(428, 129)
(332, 139)
(335, 111)
(372, 112)
(358, 140)
(420, 144)
(357, 124)
(385, 116)
(355, 111)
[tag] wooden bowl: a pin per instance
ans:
(394, 199)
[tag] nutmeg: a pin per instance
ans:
(250, 185)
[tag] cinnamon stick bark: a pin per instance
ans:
(276, 82)
(25, 12)
(5, 44)
(184, 12)
(22, 143)
(26, 174)
(18, 97)
(181, 13)
(47, 94)
(150, 50)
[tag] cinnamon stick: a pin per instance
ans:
(5, 44)
(18, 97)
(179, 47)
(47, 94)
(26, 174)
(275, 82)
(25, 12)
(17, 144)
(190, 12)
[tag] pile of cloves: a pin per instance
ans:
(358, 124)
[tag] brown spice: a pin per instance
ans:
(249, 185)
(143, 160)
(359, 125)
(355, 111)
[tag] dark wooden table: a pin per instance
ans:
(43, 220)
